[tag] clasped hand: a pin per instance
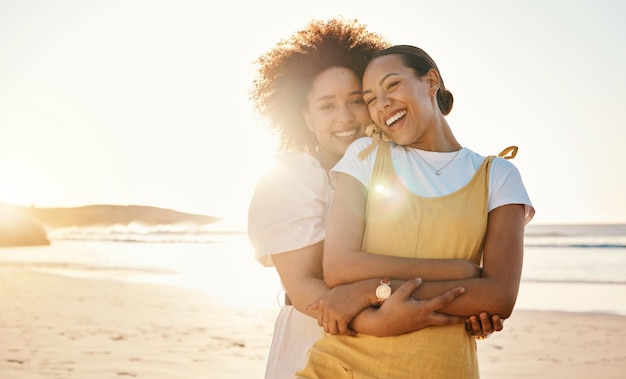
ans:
(340, 312)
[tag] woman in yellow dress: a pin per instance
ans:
(412, 191)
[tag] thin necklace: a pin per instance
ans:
(438, 171)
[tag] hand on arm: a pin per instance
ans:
(344, 262)
(493, 291)
(341, 304)
(399, 314)
(301, 273)
(482, 326)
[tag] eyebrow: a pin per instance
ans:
(328, 97)
(381, 81)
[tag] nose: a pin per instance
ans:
(383, 102)
(346, 113)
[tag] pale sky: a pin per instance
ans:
(145, 101)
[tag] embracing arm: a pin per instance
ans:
(401, 313)
(493, 291)
(496, 290)
(285, 201)
(301, 274)
(344, 262)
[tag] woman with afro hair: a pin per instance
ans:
(308, 89)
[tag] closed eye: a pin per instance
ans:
(358, 101)
(390, 85)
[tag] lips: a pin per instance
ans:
(346, 134)
(395, 117)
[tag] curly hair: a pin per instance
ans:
(286, 73)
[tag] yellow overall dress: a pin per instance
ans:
(401, 223)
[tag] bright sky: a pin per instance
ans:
(145, 101)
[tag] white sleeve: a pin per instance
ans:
(288, 208)
(351, 164)
(507, 187)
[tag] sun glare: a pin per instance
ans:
(12, 194)
(382, 190)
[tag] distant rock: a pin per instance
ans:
(24, 226)
(105, 215)
(17, 229)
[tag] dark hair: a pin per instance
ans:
(420, 62)
(286, 73)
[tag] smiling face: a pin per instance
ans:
(336, 112)
(401, 103)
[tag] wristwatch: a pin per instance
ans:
(383, 291)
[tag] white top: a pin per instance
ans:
(505, 181)
(290, 205)
(288, 211)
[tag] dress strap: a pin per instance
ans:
(512, 150)
(372, 130)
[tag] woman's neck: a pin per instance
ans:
(440, 139)
(327, 161)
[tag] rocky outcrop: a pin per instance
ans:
(17, 229)
(104, 215)
(26, 226)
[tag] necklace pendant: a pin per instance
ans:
(438, 171)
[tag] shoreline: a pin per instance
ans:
(55, 326)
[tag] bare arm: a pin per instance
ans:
(402, 314)
(495, 292)
(301, 270)
(344, 262)
(301, 274)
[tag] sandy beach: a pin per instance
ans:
(60, 327)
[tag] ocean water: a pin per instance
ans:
(577, 268)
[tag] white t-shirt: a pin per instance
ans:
(288, 211)
(505, 182)
(290, 205)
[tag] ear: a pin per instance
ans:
(432, 77)
(307, 119)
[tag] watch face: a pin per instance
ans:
(383, 291)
